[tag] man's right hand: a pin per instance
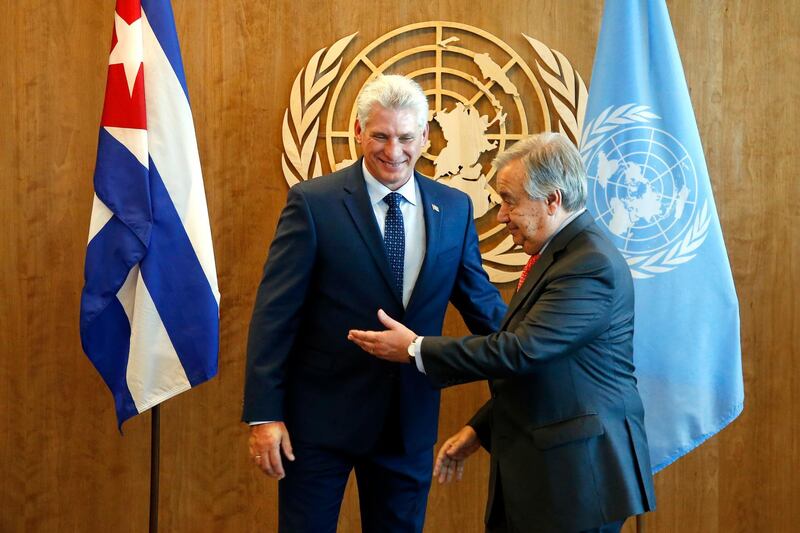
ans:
(266, 443)
(453, 453)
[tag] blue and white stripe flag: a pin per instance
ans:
(649, 187)
(150, 303)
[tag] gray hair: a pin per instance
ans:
(392, 91)
(551, 163)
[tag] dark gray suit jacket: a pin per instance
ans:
(565, 424)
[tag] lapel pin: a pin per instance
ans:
(435, 207)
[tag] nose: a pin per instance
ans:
(393, 148)
(502, 214)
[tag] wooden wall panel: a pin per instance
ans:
(762, 60)
(65, 467)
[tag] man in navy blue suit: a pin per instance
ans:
(373, 235)
(565, 423)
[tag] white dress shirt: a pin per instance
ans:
(413, 224)
(413, 227)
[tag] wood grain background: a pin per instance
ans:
(64, 467)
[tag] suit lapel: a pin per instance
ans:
(558, 243)
(358, 204)
(433, 222)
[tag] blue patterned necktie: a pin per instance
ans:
(394, 238)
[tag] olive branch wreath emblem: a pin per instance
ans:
(301, 118)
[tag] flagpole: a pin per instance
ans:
(155, 451)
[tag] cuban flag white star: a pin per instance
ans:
(128, 50)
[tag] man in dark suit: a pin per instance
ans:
(375, 234)
(565, 423)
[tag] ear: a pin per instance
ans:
(553, 202)
(425, 132)
(358, 131)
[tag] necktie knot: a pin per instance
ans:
(393, 199)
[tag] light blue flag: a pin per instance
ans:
(649, 187)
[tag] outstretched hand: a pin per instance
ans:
(455, 450)
(391, 344)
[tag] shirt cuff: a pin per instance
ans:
(418, 354)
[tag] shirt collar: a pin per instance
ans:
(377, 190)
(563, 225)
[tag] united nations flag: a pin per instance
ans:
(649, 187)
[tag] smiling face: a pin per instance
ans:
(391, 141)
(530, 221)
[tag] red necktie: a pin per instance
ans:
(528, 267)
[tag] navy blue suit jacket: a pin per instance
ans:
(565, 424)
(327, 273)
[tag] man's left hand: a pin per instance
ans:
(391, 344)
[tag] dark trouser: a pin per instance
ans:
(392, 489)
(498, 523)
(611, 527)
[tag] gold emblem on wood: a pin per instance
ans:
(483, 96)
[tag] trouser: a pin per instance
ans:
(392, 490)
(499, 523)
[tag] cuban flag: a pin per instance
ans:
(150, 303)
(649, 187)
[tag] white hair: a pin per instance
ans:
(551, 163)
(392, 91)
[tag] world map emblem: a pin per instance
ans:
(483, 97)
(642, 186)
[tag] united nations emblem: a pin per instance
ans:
(643, 188)
(479, 90)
